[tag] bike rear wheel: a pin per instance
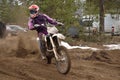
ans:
(64, 64)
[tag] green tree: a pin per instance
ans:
(12, 12)
(101, 7)
(110, 6)
(4, 10)
(62, 10)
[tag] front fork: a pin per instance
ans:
(54, 48)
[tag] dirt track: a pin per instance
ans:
(20, 60)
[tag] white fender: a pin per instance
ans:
(60, 36)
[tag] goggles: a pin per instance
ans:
(33, 12)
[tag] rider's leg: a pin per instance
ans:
(42, 46)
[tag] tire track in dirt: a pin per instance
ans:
(19, 60)
(28, 69)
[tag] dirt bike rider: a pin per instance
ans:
(37, 21)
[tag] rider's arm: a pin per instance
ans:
(30, 25)
(50, 20)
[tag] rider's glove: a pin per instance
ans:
(60, 24)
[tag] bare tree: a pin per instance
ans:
(101, 28)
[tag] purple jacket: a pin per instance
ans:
(41, 19)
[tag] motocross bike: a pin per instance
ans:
(55, 50)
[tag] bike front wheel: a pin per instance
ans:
(64, 63)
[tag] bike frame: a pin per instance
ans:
(56, 50)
